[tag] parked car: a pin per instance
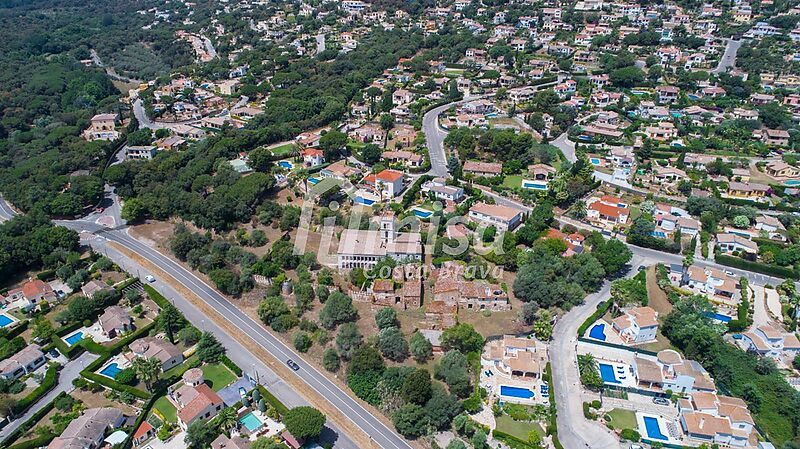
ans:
(150, 278)
(642, 267)
(293, 365)
(242, 392)
(661, 401)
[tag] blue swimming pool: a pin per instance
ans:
(516, 392)
(659, 234)
(653, 429)
(607, 373)
(364, 201)
(598, 332)
(286, 164)
(313, 181)
(718, 317)
(74, 338)
(422, 213)
(792, 182)
(111, 370)
(5, 321)
(251, 422)
(594, 161)
(534, 185)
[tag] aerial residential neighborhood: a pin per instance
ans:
(522, 224)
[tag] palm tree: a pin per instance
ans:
(147, 370)
(226, 419)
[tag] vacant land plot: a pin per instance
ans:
(519, 429)
(622, 419)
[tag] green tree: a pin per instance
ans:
(393, 344)
(348, 339)
(209, 349)
(421, 349)
(462, 337)
(416, 388)
(147, 370)
(589, 372)
(337, 309)
(386, 317)
(302, 342)
(133, 210)
(330, 360)
(170, 320)
(410, 420)
(333, 143)
(199, 435)
(304, 422)
(226, 419)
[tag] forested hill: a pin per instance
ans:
(47, 96)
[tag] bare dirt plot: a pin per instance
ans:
(92, 400)
(656, 297)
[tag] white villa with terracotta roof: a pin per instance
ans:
(637, 325)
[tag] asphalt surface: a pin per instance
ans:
(728, 58)
(434, 139)
(70, 371)
(382, 435)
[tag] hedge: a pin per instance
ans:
(273, 401)
(14, 331)
(601, 310)
(48, 383)
(69, 351)
(231, 366)
(46, 275)
(770, 270)
(512, 441)
(40, 441)
(157, 297)
(27, 425)
(126, 283)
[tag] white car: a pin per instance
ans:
(150, 278)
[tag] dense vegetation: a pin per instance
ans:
(47, 96)
(32, 241)
(772, 401)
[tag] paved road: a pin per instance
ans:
(70, 371)
(146, 122)
(728, 58)
(320, 42)
(212, 52)
(382, 435)
(110, 70)
(434, 139)
(6, 211)
(574, 430)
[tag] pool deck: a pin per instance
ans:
(662, 425)
(494, 382)
(611, 335)
(620, 369)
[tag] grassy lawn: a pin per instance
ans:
(512, 181)
(518, 429)
(623, 419)
(166, 409)
(218, 376)
(283, 149)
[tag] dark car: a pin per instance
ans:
(642, 268)
(293, 365)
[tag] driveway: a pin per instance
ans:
(68, 373)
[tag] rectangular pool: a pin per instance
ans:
(516, 392)
(607, 373)
(5, 321)
(251, 422)
(74, 338)
(653, 429)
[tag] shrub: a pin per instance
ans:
(126, 377)
(630, 435)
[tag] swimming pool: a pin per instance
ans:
(607, 373)
(516, 392)
(792, 182)
(534, 185)
(594, 161)
(653, 429)
(74, 338)
(659, 234)
(598, 332)
(422, 213)
(718, 317)
(111, 370)
(313, 181)
(5, 321)
(251, 422)
(286, 164)
(364, 201)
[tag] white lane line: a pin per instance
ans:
(283, 351)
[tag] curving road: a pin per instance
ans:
(728, 59)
